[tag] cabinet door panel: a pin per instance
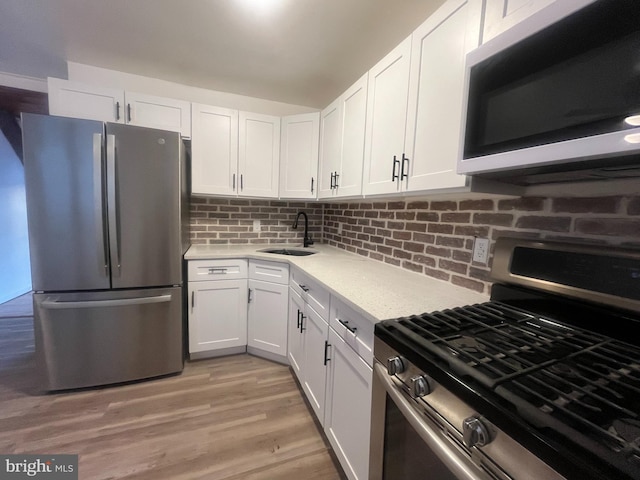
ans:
(501, 15)
(434, 121)
(315, 371)
(214, 150)
(258, 155)
(348, 409)
(299, 156)
(386, 119)
(268, 307)
(294, 336)
(217, 315)
(72, 99)
(330, 148)
(354, 111)
(159, 112)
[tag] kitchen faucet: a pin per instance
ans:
(307, 239)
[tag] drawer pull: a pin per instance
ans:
(217, 271)
(345, 324)
(326, 351)
(304, 288)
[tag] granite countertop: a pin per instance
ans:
(375, 289)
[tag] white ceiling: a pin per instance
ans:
(304, 52)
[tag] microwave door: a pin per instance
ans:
(65, 209)
(143, 189)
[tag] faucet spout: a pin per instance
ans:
(307, 239)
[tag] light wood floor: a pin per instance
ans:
(231, 418)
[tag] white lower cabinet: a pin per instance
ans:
(294, 334)
(348, 407)
(315, 331)
(268, 308)
(217, 316)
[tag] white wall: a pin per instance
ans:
(136, 83)
(15, 269)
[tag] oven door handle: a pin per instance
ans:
(440, 447)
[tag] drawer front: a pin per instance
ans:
(316, 296)
(355, 330)
(223, 269)
(265, 271)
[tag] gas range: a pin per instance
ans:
(548, 370)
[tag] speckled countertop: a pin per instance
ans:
(377, 290)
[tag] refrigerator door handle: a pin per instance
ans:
(114, 239)
(98, 206)
(53, 304)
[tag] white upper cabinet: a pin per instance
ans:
(434, 119)
(299, 155)
(342, 133)
(73, 99)
(388, 93)
(258, 155)
(330, 148)
(77, 100)
(158, 112)
(501, 15)
(214, 150)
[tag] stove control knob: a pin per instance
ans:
(395, 365)
(475, 433)
(419, 386)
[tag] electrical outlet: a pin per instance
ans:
(481, 250)
(256, 225)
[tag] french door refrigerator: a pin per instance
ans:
(105, 206)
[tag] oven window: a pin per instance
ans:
(406, 456)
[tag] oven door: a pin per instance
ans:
(406, 443)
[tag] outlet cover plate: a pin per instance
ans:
(481, 250)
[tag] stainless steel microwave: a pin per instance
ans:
(557, 97)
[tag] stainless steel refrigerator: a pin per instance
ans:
(105, 204)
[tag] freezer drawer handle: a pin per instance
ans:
(53, 304)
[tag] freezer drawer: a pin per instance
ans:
(99, 338)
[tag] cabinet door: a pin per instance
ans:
(217, 315)
(258, 155)
(354, 113)
(73, 99)
(158, 112)
(330, 148)
(386, 120)
(299, 156)
(315, 331)
(348, 408)
(267, 325)
(294, 335)
(434, 120)
(501, 15)
(214, 150)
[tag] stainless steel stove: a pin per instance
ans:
(541, 382)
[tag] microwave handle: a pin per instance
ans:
(440, 447)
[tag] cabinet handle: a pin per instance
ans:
(241, 182)
(345, 324)
(336, 180)
(326, 351)
(404, 175)
(298, 326)
(217, 271)
(304, 288)
(129, 112)
(394, 175)
(311, 184)
(302, 317)
(332, 179)
(193, 300)
(234, 181)
(117, 110)
(249, 297)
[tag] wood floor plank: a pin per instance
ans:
(229, 418)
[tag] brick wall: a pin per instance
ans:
(230, 221)
(435, 238)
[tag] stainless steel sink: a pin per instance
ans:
(296, 252)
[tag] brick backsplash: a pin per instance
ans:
(230, 221)
(435, 238)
